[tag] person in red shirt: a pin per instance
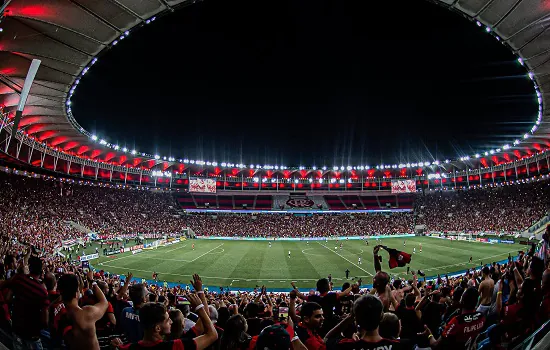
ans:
(30, 305)
(312, 321)
(462, 330)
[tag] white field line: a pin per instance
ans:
(200, 256)
(360, 268)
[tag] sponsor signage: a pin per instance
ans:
(136, 251)
(507, 241)
(89, 257)
(116, 251)
(494, 240)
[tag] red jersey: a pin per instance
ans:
(462, 330)
(310, 339)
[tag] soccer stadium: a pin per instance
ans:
(114, 237)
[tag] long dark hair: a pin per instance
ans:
(234, 334)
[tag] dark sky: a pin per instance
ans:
(308, 83)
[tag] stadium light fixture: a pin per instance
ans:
(342, 181)
(223, 164)
(520, 60)
(516, 142)
(506, 146)
(333, 180)
(296, 181)
(134, 152)
(335, 168)
(321, 180)
(164, 158)
(478, 23)
(447, 161)
(94, 137)
(215, 163)
(116, 147)
(477, 155)
(256, 179)
(488, 29)
(276, 167)
(348, 168)
(426, 163)
(324, 168)
(361, 167)
(102, 142)
(310, 180)
(486, 153)
(436, 162)
(526, 136)
(125, 149)
(531, 75)
(157, 156)
(492, 152)
(341, 168)
(498, 150)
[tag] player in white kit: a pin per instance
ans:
(289, 254)
(359, 260)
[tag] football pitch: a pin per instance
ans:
(246, 264)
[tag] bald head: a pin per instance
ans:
(49, 281)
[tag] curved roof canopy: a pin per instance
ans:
(67, 35)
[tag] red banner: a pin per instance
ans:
(202, 185)
(403, 186)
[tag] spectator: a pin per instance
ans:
(83, 320)
(30, 306)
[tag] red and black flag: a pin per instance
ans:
(397, 258)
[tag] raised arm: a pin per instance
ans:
(377, 266)
(95, 312)
(292, 306)
(300, 294)
(210, 335)
(124, 289)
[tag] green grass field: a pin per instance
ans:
(250, 263)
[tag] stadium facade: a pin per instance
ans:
(69, 37)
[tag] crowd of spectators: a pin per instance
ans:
(49, 302)
(315, 225)
(512, 208)
(31, 207)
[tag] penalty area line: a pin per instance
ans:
(360, 268)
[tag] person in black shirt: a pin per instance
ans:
(347, 274)
(367, 314)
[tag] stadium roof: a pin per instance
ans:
(68, 35)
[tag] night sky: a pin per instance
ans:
(308, 83)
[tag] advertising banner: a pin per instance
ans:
(507, 241)
(89, 257)
(116, 251)
(202, 185)
(403, 186)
